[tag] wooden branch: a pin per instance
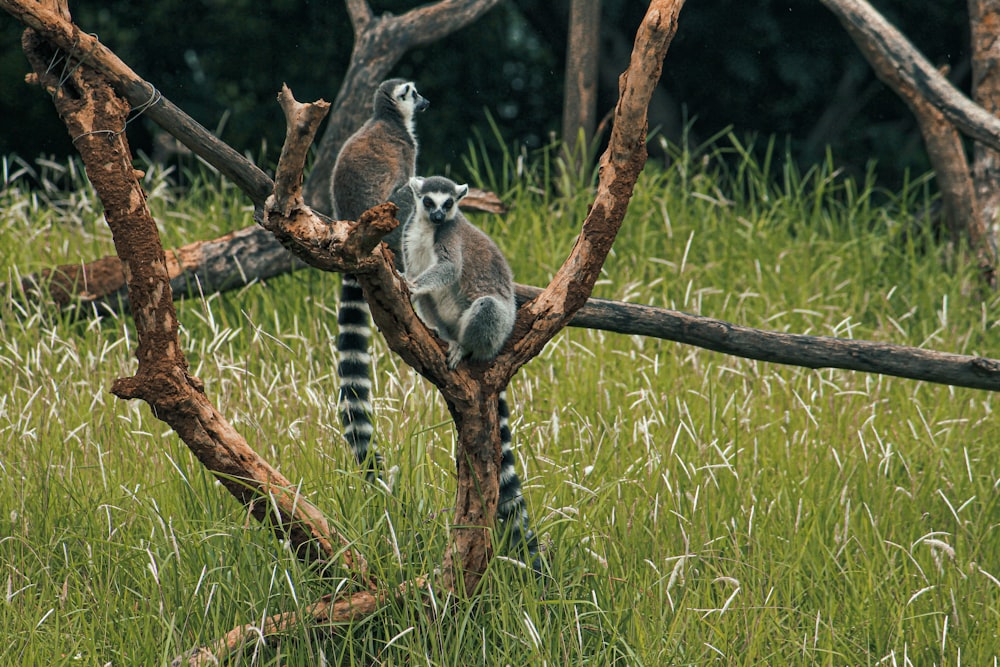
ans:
(540, 319)
(143, 97)
(95, 116)
(904, 361)
(860, 18)
(327, 611)
(379, 43)
(253, 255)
(884, 47)
(361, 16)
(984, 19)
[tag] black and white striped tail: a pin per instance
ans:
(511, 510)
(354, 373)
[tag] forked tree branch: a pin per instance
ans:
(903, 69)
(860, 18)
(95, 116)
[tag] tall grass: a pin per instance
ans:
(694, 508)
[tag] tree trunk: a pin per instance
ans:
(984, 23)
(939, 109)
(579, 116)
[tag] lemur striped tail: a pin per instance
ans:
(354, 372)
(511, 510)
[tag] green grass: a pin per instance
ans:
(695, 508)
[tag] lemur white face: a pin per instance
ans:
(408, 99)
(437, 197)
(438, 206)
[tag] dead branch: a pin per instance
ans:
(903, 69)
(95, 116)
(141, 95)
(541, 318)
(957, 370)
(974, 121)
(327, 611)
(471, 392)
(253, 255)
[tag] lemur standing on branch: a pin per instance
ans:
(374, 166)
(462, 287)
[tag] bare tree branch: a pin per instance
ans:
(95, 116)
(860, 18)
(361, 16)
(540, 319)
(915, 363)
(327, 611)
(935, 103)
(142, 96)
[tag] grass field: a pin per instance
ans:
(695, 508)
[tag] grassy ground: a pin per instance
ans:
(695, 508)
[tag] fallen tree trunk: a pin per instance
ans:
(254, 255)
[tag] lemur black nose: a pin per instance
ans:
(437, 217)
(422, 104)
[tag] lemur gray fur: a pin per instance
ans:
(460, 282)
(462, 287)
(374, 166)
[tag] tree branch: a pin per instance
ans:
(95, 116)
(540, 319)
(361, 16)
(379, 43)
(904, 361)
(884, 47)
(142, 96)
(878, 35)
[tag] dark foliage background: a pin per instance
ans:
(764, 67)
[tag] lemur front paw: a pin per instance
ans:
(455, 354)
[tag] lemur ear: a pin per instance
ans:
(416, 184)
(461, 191)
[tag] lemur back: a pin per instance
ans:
(374, 166)
(462, 287)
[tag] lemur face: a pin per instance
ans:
(438, 206)
(408, 99)
(438, 197)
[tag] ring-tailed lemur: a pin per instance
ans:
(462, 287)
(374, 166)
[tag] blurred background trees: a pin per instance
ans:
(762, 67)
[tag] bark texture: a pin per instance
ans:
(984, 22)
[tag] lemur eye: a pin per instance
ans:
(428, 202)
(447, 204)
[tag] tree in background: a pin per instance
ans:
(787, 69)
